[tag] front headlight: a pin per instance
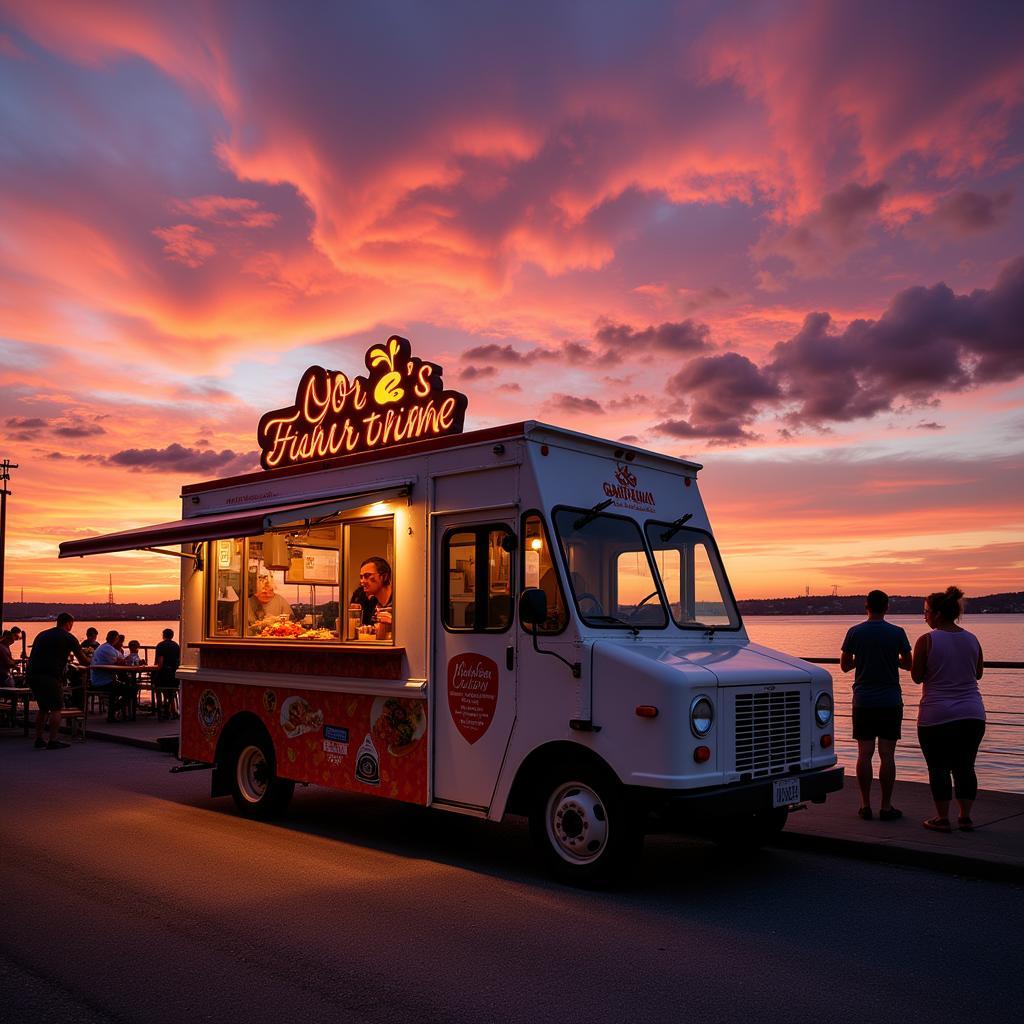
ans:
(702, 716)
(823, 709)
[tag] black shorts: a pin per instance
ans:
(877, 723)
(48, 692)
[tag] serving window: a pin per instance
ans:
(329, 581)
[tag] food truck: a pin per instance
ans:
(514, 620)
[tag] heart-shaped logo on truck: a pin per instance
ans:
(472, 694)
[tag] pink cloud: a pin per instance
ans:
(184, 244)
(228, 211)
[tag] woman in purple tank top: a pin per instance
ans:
(948, 663)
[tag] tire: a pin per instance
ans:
(255, 788)
(584, 831)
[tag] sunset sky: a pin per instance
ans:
(785, 240)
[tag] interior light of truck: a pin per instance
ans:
(702, 755)
(647, 711)
(702, 716)
(823, 709)
(826, 741)
(379, 506)
(536, 544)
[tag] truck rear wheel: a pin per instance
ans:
(255, 788)
(582, 826)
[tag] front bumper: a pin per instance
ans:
(687, 808)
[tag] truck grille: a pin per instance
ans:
(767, 733)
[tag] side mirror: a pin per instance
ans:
(533, 606)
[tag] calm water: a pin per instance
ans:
(1001, 761)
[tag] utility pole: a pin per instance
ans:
(5, 474)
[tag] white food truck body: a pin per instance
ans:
(622, 714)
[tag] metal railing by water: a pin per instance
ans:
(994, 716)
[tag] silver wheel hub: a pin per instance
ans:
(577, 824)
(252, 774)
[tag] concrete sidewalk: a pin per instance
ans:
(995, 849)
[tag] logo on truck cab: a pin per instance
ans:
(626, 492)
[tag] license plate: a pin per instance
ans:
(785, 792)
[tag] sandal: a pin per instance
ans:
(937, 824)
(965, 824)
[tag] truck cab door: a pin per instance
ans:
(474, 669)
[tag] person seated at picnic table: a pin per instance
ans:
(105, 680)
(90, 643)
(167, 659)
(134, 658)
(7, 660)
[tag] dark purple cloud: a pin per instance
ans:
(476, 372)
(28, 428)
(969, 212)
(504, 354)
(723, 395)
(575, 404)
(571, 353)
(828, 234)
(842, 212)
(673, 338)
(928, 341)
(177, 458)
(79, 430)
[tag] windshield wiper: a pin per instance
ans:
(676, 526)
(615, 619)
(591, 515)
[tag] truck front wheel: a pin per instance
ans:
(583, 828)
(256, 789)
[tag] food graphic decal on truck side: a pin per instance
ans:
(316, 734)
(367, 763)
(298, 718)
(398, 724)
(209, 712)
(472, 694)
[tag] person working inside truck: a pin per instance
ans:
(266, 603)
(375, 592)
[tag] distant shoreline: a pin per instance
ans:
(991, 604)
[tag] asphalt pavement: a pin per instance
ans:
(995, 849)
(131, 895)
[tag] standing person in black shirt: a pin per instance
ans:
(47, 665)
(877, 650)
(167, 658)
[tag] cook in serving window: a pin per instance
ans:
(265, 602)
(374, 595)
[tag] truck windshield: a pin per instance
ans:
(610, 570)
(693, 578)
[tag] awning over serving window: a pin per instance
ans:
(228, 524)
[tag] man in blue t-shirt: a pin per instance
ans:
(877, 650)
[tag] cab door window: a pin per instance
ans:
(539, 571)
(477, 579)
